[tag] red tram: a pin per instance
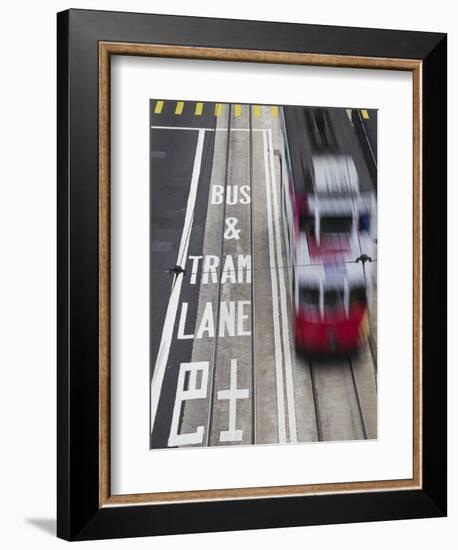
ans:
(330, 228)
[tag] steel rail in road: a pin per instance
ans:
(253, 301)
(316, 404)
(355, 403)
(358, 399)
(373, 352)
(218, 301)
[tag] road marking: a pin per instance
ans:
(158, 107)
(365, 113)
(179, 107)
(231, 232)
(218, 109)
(283, 304)
(196, 128)
(257, 110)
(237, 110)
(169, 322)
(191, 392)
(274, 110)
(275, 315)
(199, 109)
(232, 395)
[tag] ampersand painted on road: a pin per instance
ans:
(231, 232)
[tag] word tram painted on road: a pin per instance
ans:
(229, 273)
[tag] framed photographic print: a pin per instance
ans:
(252, 274)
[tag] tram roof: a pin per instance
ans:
(334, 174)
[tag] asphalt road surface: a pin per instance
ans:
(223, 365)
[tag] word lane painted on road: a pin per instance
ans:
(233, 321)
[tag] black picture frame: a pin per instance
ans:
(80, 516)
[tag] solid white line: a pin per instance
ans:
(169, 323)
(284, 306)
(275, 315)
(206, 129)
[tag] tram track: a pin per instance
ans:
(339, 413)
(253, 293)
(218, 301)
(358, 399)
(315, 403)
(221, 350)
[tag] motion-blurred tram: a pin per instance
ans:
(329, 223)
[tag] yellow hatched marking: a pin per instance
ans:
(158, 108)
(365, 113)
(179, 108)
(218, 109)
(237, 110)
(274, 110)
(257, 110)
(199, 109)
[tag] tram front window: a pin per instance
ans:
(307, 223)
(333, 302)
(358, 297)
(309, 298)
(336, 224)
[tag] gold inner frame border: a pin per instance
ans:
(106, 50)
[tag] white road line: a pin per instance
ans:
(206, 129)
(275, 315)
(169, 323)
(284, 307)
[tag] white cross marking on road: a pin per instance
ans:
(232, 394)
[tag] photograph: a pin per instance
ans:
(263, 274)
